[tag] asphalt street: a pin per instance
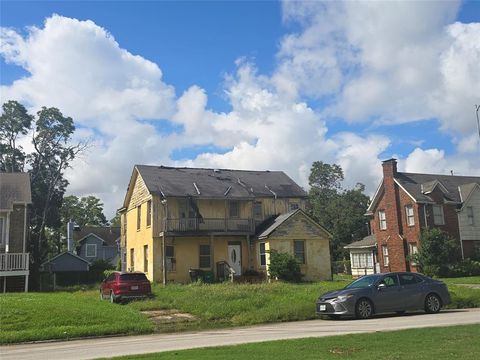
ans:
(126, 345)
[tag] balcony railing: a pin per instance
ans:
(208, 225)
(14, 262)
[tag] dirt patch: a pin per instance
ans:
(171, 316)
(470, 286)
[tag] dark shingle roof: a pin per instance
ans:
(106, 233)
(279, 220)
(366, 242)
(14, 188)
(223, 183)
(419, 185)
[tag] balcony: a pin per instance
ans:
(209, 225)
(14, 264)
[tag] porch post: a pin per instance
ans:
(5, 284)
(26, 283)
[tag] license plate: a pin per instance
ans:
(134, 287)
(323, 308)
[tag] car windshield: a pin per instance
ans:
(363, 282)
(135, 277)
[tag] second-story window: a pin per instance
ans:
(382, 219)
(257, 210)
(234, 209)
(470, 215)
(410, 217)
(438, 218)
(145, 258)
(91, 250)
(149, 212)
(139, 216)
(293, 206)
(132, 259)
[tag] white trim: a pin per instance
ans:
(374, 199)
(25, 234)
(401, 187)
(98, 237)
(436, 182)
(7, 233)
(3, 220)
(86, 250)
(477, 185)
(260, 254)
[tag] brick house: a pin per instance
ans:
(406, 203)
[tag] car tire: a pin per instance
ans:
(113, 299)
(364, 309)
(433, 304)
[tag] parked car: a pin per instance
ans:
(384, 293)
(121, 286)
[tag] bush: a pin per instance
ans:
(98, 269)
(464, 268)
(342, 267)
(285, 267)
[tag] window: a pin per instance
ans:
(2, 230)
(257, 211)
(204, 261)
(139, 216)
(132, 259)
(263, 258)
(410, 217)
(412, 250)
(234, 209)
(362, 260)
(390, 280)
(170, 255)
(91, 250)
(469, 215)
(385, 255)
(382, 219)
(149, 212)
(438, 218)
(407, 279)
(299, 250)
(145, 258)
(293, 206)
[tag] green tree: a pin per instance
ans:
(341, 211)
(284, 266)
(115, 221)
(84, 211)
(14, 122)
(437, 252)
(53, 154)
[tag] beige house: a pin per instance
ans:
(15, 195)
(216, 220)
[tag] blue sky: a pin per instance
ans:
(199, 44)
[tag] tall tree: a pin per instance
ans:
(115, 221)
(14, 122)
(84, 211)
(52, 156)
(341, 211)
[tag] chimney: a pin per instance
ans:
(70, 226)
(389, 168)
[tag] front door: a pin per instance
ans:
(235, 258)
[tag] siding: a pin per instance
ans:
(467, 231)
(104, 252)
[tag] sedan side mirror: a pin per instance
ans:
(382, 286)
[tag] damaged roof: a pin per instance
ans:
(14, 188)
(218, 183)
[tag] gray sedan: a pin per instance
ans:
(384, 293)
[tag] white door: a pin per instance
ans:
(235, 258)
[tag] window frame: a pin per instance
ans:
(410, 216)
(442, 214)
(204, 256)
(262, 255)
(257, 215)
(470, 216)
(302, 253)
(236, 205)
(385, 255)
(86, 250)
(171, 260)
(149, 213)
(382, 220)
(139, 217)
(412, 250)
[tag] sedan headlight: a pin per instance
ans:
(342, 298)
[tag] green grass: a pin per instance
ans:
(41, 316)
(65, 315)
(432, 343)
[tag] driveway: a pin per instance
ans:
(127, 345)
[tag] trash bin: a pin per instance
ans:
(208, 277)
(195, 274)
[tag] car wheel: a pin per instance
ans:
(113, 300)
(364, 309)
(432, 304)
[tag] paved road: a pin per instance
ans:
(126, 345)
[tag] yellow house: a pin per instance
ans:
(217, 220)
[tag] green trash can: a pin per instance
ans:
(208, 277)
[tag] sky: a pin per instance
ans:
(250, 85)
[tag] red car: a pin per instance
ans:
(119, 286)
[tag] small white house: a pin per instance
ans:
(363, 256)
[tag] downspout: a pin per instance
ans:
(164, 258)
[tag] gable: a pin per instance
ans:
(66, 262)
(299, 226)
(137, 191)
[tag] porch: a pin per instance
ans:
(209, 225)
(14, 266)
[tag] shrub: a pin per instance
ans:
(285, 267)
(97, 270)
(438, 252)
(466, 267)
